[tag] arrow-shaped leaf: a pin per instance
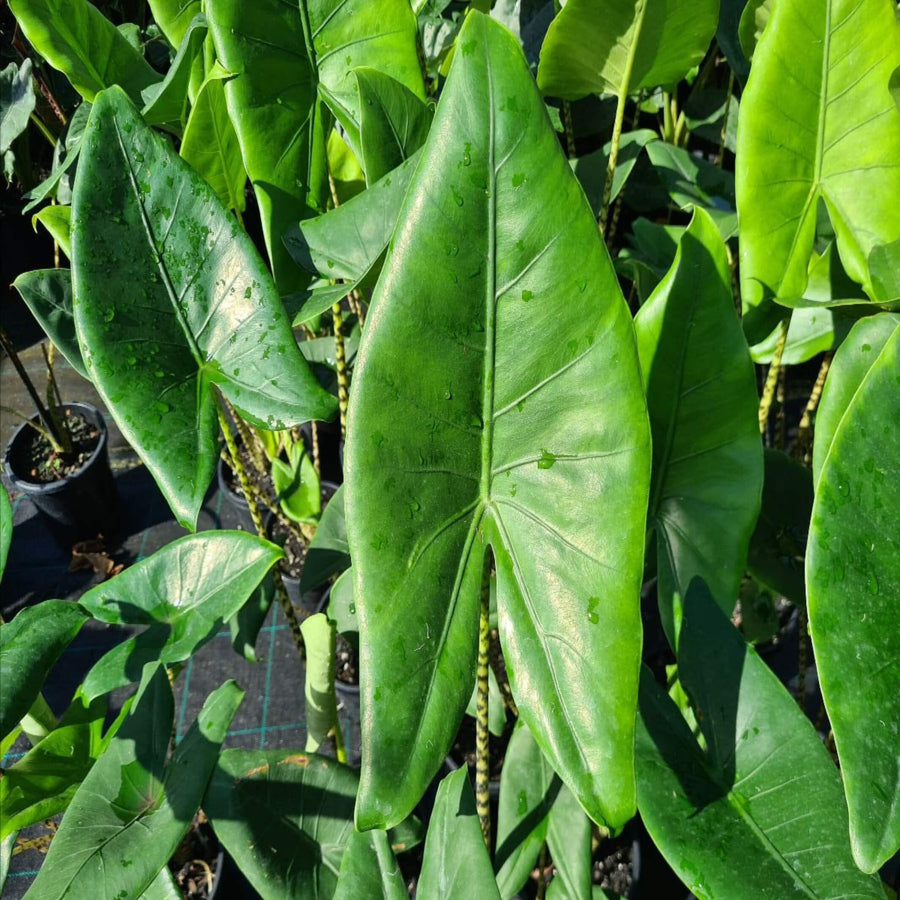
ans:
(183, 592)
(825, 128)
(853, 584)
(172, 301)
(621, 46)
(762, 813)
(517, 422)
(701, 393)
(127, 818)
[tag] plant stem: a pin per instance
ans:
(720, 154)
(772, 377)
(569, 127)
(621, 100)
(542, 875)
(314, 428)
(780, 413)
(342, 377)
(482, 758)
(47, 420)
(38, 428)
(280, 591)
(499, 667)
(44, 130)
(804, 431)
(54, 402)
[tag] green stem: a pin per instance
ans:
(768, 393)
(341, 357)
(621, 100)
(280, 591)
(44, 130)
(720, 154)
(482, 758)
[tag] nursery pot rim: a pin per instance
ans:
(22, 484)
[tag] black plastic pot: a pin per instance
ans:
(82, 505)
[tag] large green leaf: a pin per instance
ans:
(132, 809)
(29, 647)
(285, 817)
(279, 53)
(859, 352)
(16, 102)
(182, 592)
(393, 123)
(527, 789)
(622, 46)
(348, 242)
(826, 128)
(853, 585)
(701, 394)
(76, 38)
(174, 17)
(276, 114)
(210, 145)
(204, 314)
(369, 869)
(456, 864)
(167, 101)
(760, 814)
(48, 293)
(41, 783)
(496, 400)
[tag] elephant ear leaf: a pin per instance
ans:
(853, 582)
(526, 391)
(622, 46)
(171, 301)
(838, 142)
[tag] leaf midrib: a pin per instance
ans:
(161, 266)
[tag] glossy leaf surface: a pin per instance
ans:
(456, 864)
(853, 585)
(622, 46)
(182, 592)
(205, 316)
(174, 17)
(285, 817)
(527, 791)
(29, 647)
(166, 102)
(48, 294)
(211, 146)
(826, 128)
(132, 809)
(277, 117)
(518, 423)
(369, 869)
(44, 780)
(849, 369)
(57, 220)
(760, 814)
(76, 38)
(393, 123)
(701, 390)
(347, 242)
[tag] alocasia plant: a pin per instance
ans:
(503, 405)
